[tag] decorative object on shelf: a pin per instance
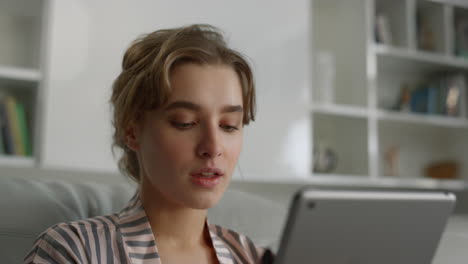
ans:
(391, 161)
(461, 36)
(456, 89)
(442, 170)
(325, 159)
(425, 33)
(403, 103)
(326, 71)
(383, 32)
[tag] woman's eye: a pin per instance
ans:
(228, 128)
(181, 125)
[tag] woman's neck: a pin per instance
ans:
(174, 225)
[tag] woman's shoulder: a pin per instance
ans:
(239, 244)
(81, 229)
(69, 242)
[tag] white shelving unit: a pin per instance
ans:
(20, 74)
(359, 73)
(360, 181)
(14, 161)
(341, 110)
(22, 33)
(411, 118)
(421, 60)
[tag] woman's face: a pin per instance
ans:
(189, 147)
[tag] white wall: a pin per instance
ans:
(86, 43)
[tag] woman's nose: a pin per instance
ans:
(210, 146)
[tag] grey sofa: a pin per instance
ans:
(28, 206)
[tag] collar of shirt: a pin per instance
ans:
(138, 241)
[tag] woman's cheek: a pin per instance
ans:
(236, 147)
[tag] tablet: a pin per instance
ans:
(364, 227)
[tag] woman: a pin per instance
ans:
(180, 104)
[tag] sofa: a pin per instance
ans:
(31, 205)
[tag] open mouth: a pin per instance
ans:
(207, 175)
(207, 178)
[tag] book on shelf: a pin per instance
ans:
(432, 95)
(14, 129)
(13, 123)
(419, 100)
(444, 95)
(7, 138)
(21, 115)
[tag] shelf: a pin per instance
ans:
(443, 121)
(413, 59)
(15, 161)
(20, 74)
(318, 179)
(336, 180)
(340, 110)
(388, 182)
(424, 183)
(457, 3)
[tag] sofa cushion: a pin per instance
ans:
(30, 206)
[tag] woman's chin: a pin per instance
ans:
(205, 198)
(204, 201)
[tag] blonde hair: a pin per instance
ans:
(144, 82)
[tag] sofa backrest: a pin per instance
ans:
(29, 206)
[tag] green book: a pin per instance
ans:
(23, 129)
(5, 127)
(13, 126)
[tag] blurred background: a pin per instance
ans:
(359, 93)
(351, 93)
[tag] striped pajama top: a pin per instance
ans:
(126, 237)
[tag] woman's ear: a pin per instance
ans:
(131, 137)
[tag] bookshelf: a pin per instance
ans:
(15, 161)
(389, 95)
(20, 74)
(22, 30)
(340, 110)
(359, 181)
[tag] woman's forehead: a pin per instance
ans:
(205, 85)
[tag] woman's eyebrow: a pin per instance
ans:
(182, 104)
(232, 108)
(195, 107)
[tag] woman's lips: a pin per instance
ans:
(206, 182)
(207, 177)
(208, 172)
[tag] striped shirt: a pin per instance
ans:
(126, 237)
